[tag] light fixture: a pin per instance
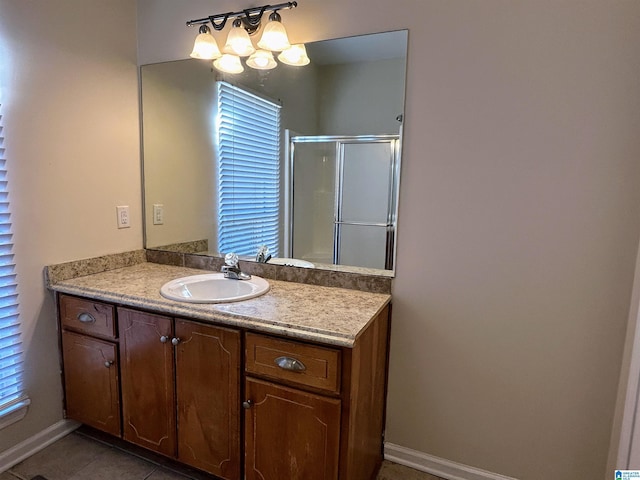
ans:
(205, 47)
(262, 60)
(229, 63)
(295, 55)
(248, 22)
(238, 41)
(274, 37)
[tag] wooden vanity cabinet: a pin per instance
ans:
(291, 433)
(181, 390)
(314, 412)
(90, 356)
(171, 385)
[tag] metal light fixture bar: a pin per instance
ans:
(250, 17)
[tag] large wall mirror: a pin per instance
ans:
(304, 160)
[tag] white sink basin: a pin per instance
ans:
(213, 288)
(291, 262)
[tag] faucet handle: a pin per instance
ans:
(263, 254)
(231, 259)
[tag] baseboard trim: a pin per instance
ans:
(437, 466)
(34, 444)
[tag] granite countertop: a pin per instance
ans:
(330, 315)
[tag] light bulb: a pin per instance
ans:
(205, 46)
(238, 41)
(295, 55)
(262, 60)
(229, 64)
(274, 37)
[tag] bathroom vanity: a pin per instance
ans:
(289, 385)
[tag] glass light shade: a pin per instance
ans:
(238, 42)
(205, 47)
(274, 37)
(228, 63)
(295, 55)
(262, 60)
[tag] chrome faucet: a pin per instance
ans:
(263, 254)
(231, 269)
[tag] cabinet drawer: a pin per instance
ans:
(294, 362)
(87, 316)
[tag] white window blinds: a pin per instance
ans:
(248, 129)
(12, 398)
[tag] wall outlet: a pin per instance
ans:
(158, 214)
(123, 216)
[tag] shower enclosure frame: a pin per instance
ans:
(394, 141)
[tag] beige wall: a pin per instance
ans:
(519, 218)
(70, 112)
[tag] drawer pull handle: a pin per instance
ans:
(247, 404)
(164, 339)
(86, 318)
(175, 341)
(291, 364)
(108, 363)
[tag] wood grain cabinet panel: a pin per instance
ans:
(87, 316)
(91, 381)
(293, 362)
(290, 434)
(148, 389)
(208, 396)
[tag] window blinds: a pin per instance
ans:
(248, 130)
(12, 398)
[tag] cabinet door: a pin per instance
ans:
(208, 397)
(290, 434)
(91, 382)
(147, 369)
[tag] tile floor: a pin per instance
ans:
(77, 457)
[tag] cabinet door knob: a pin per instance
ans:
(108, 363)
(291, 364)
(247, 404)
(175, 341)
(164, 339)
(85, 317)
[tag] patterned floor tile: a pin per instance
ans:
(62, 459)
(77, 457)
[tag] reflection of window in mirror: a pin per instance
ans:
(248, 143)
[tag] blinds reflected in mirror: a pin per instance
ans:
(248, 147)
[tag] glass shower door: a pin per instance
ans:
(313, 197)
(364, 223)
(343, 195)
